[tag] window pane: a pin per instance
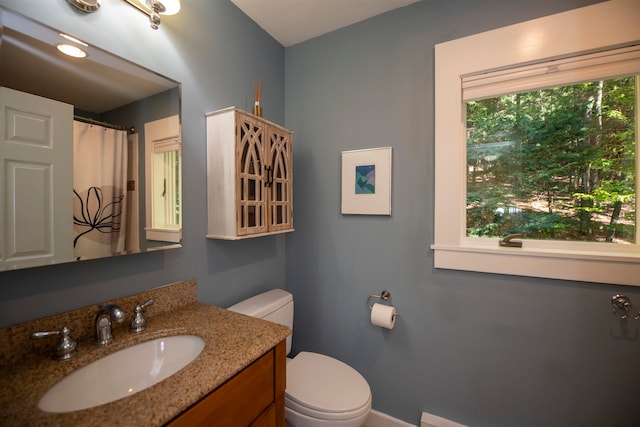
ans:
(555, 164)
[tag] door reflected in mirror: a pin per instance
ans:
(98, 205)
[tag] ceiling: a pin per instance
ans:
(294, 21)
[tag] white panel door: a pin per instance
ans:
(36, 180)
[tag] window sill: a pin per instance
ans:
(164, 235)
(598, 267)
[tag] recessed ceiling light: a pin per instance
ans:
(71, 50)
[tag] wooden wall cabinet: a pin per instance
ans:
(249, 176)
(254, 397)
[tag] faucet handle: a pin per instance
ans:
(66, 347)
(139, 322)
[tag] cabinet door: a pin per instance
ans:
(237, 403)
(267, 418)
(251, 208)
(279, 186)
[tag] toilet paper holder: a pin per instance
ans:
(384, 296)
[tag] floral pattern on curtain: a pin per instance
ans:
(100, 189)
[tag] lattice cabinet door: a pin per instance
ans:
(252, 176)
(280, 182)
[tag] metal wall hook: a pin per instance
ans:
(621, 306)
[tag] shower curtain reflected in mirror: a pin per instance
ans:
(99, 190)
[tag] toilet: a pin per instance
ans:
(321, 390)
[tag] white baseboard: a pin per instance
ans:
(378, 419)
(429, 420)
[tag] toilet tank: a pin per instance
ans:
(275, 306)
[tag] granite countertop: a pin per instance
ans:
(232, 342)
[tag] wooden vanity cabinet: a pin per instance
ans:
(249, 176)
(254, 397)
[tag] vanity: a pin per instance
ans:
(238, 378)
(254, 397)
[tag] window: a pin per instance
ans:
(163, 185)
(555, 163)
(166, 206)
(482, 83)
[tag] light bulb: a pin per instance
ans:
(171, 7)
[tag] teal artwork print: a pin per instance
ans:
(366, 179)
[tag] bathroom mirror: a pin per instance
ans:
(104, 92)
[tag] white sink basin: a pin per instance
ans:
(122, 373)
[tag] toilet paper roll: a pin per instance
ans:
(383, 315)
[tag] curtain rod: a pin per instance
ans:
(105, 124)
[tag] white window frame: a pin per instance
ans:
(160, 136)
(589, 29)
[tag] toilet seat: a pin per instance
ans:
(322, 387)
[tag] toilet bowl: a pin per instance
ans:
(324, 391)
(321, 390)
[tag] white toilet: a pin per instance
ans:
(321, 391)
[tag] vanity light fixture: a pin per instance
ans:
(85, 5)
(154, 8)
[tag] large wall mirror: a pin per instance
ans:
(72, 150)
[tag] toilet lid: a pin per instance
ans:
(323, 387)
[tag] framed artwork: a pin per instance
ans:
(366, 181)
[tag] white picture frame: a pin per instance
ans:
(366, 182)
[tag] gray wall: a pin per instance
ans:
(215, 51)
(480, 349)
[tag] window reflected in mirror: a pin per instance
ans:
(164, 180)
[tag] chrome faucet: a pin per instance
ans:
(103, 322)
